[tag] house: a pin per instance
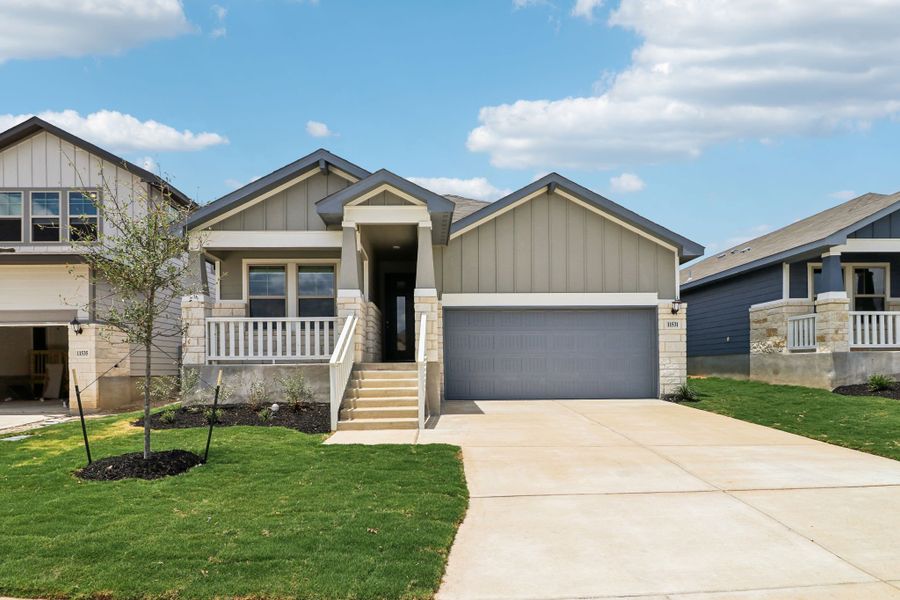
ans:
(391, 298)
(810, 304)
(51, 184)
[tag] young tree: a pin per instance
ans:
(140, 254)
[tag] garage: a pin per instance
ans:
(523, 354)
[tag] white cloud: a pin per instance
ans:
(737, 239)
(150, 164)
(708, 72)
(237, 183)
(219, 12)
(71, 28)
(517, 4)
(585, 8)
(318, 129)
(121, 132)
(478, 188)
(626, 182)
(843, 195)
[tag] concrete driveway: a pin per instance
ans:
(17, 415)
(647, 499)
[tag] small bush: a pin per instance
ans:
(213, 416)
(265, 414)
(878, 382)
(296, 389)
(167, 415)
(259, 394)
(685, 393)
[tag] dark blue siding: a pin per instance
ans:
(885, 227)
(799, 271)
(718, 317)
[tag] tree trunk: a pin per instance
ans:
(147, 368)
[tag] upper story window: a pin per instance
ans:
(83, 216)
(45, 217)
(11, 216)
(267, 292)
(315, 291)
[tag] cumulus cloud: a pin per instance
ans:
(318, 129)
(237, 183)
(219, 13)
(585, 8)
(150, 164)
(626, 182)
(122, 132)
(843, 195)
(478, 188)
(71, 28)
(707, 72)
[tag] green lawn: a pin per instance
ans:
(864, 423)
(274, 514)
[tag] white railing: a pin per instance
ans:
(269, 340)
(874, 329)
(421, 364)
(801, 332)
(340, 366)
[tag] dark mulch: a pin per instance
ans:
(308, 417)
(862, 389)
(133, 466)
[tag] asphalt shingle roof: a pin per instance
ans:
(464, 206)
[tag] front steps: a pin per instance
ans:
(381, 396)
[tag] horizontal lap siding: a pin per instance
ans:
(718, 317)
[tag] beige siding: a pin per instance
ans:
(293, 209)
(232, 282)
(551, 244)
(386, 198)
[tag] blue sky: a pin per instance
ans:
(721, 121)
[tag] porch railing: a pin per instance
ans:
(801, 332)
(421, 366)
(340, 366)
(269, 340)
(874, 329)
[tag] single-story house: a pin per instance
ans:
(814, 303)
(393, 298)
(51, 185)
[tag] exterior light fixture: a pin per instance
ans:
(676, 306)
(76, 326)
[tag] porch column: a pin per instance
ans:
(832, 273)
(425, 259)
(349, 279)
(350, 300)
(197, 266)
(832, 307)
(427, 303)
(195, 309)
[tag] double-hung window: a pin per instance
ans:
(83, 216)
(11, 216)
(315, 291)
(267, 292)
(45, 217)
(869, 288)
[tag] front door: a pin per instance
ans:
(399, 317)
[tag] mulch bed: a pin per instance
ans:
(308, 417)
(862, 389)
(133, 466)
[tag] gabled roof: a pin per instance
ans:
(331, 208)
(320, 159)
(464, 206)
(810, 235)
(687, 249)
(35, 125)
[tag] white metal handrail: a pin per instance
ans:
(340, 366)
(874, 329)
(269, 340)
(801, 332)
(421, 365)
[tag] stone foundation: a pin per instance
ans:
(672, 347)
(236, 379)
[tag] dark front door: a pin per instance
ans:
(399, 317)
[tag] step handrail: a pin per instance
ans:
(421, 366)
(340, 366)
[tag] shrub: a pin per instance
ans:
(878, 382)
(685, 393)
(213, 416)
(259, 394)
(167, 415)
(265, 414)
(296, 390)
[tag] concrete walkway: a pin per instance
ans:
(651, 500)
(19, 415)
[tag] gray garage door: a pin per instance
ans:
(510, 354)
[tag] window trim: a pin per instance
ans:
(284, 297)
(290, 265)
(847, 269)
(21, 217)
(32, 217)
(96, 217)
(333, 296)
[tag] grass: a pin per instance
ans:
(274, 514)
(864, 423)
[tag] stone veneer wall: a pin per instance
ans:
(373, 325)
(100, 351)
(672, 347)
(350, 305)
(832, 321)
(430, 306)
(768, 324)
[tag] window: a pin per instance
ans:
(869, 288)
(315, 291)
(44, 216)
(267, 292)
(83, 216)
(10, 216)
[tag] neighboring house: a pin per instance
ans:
(809, 304)
(551, 292)
(50, 184)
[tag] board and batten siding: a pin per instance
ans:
(718, 316)
(292, 209)
(386, 198)
(551, 244)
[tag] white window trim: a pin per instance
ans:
(848, 279)
(23, 195)
(290, 265)
(557, 299)
(69, 217)
(32, 217)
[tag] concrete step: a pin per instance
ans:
(383, 383)
(385, 374)
(378, 402)
(376, 424)
(380, 412)
(393, 392)
(398, 366)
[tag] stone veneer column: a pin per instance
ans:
(832, 322)
(768, 324)
(349, 303)
(672, 347)
(426, 302)
(195, 309)
(100, 351)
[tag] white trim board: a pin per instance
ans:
(868, 245)
(380, 215)
(568, 299)
(282, 240)
(386, 187)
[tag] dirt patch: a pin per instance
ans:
(862, 389)
(308, 417)
(133, 466)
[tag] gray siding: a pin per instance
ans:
(885, 227)
(386, 198)
(551, 244)
(718, 317)
(232, 283)
(799, 272)
(293, 209)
